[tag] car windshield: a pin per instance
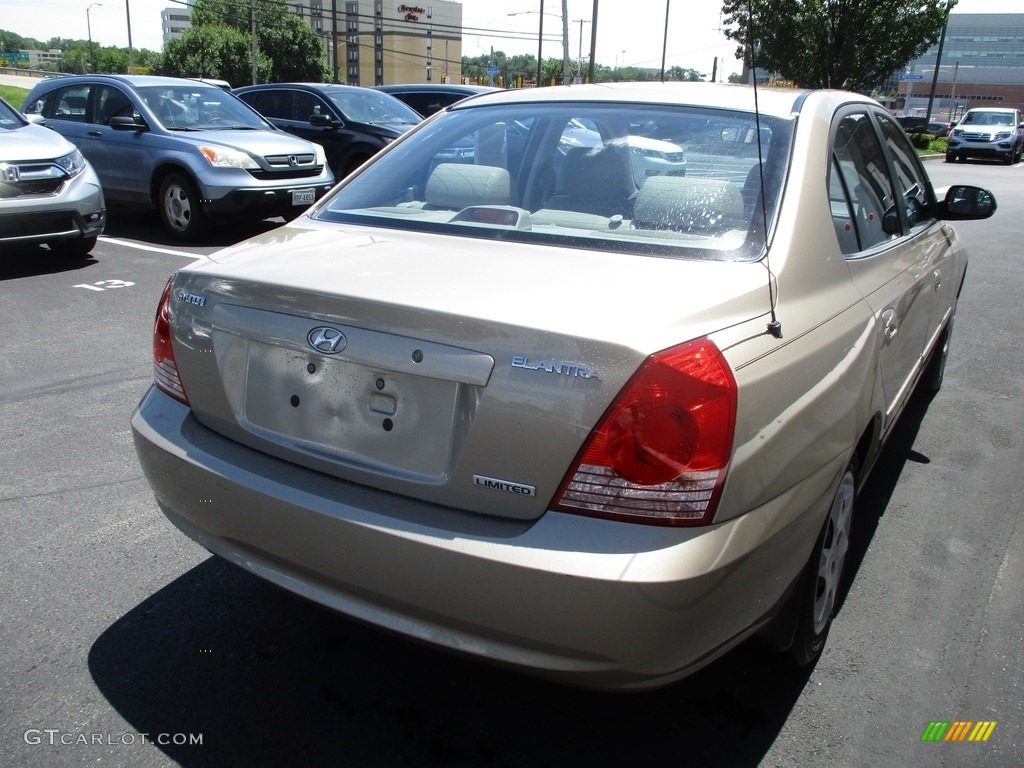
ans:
(654, 180)
(988, 118)
(373, 107)
(198, 107)
(9, 119)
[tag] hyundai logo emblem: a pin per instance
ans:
(326, 340)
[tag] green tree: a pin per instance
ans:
(686, 75)
(216, 51)
(294, 50)
(850, 44)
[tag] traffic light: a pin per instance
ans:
(462, 79)
(501, 81)
(519, 81)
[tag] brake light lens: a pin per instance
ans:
(165, 370)
(660, 452)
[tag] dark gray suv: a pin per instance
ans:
(351, 123)
(189, 149)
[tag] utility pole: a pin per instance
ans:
(252, 34)
(128, 14)
(593, 41)
(664, 44)
(565, 42)
(334, 38)
(579, 57)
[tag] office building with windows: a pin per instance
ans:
(982, 65)
(372, 42)
(377, 43)
(174, 21)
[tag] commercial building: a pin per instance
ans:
(372, 42)
(174, 21)
(982, 65)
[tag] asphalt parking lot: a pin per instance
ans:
(125, 644)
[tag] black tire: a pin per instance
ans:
(179, 207)
(936, 370)
(73, 249)
(950, 157)
(825, 573)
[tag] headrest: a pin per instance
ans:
(688, 204)
(602, 171)
(460, 185)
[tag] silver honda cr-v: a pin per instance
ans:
(48, 191)
(189, 149)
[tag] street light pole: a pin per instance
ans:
(88, 26)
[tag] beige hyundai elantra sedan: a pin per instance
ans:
(498, 394)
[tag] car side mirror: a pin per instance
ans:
(125, 123)
(964, 202)
(323, 121)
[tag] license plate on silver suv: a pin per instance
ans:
(303, 196)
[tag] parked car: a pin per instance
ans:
(428, 98)
(914, 123)
(191, 150)
(987, 132)
(939, 129)
(350, 122)
(48, 191)
(598, 432)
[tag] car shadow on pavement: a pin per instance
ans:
(265, 678)
(144, 226)
(27, 261)
(268, 679)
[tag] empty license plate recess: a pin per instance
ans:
(387, 402)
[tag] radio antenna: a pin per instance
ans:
(774, 326)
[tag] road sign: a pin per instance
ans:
(492, 70)
(911, 77)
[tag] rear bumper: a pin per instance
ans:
(588, 602)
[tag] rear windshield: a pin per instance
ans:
(660, 180)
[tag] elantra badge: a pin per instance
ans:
(573, 370)
(326, 340)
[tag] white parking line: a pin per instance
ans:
(140, 247)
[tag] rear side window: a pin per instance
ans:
(860, 180)
(62, 104)
(911, 182)
(276, 103)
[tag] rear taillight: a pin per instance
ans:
(165, 370)
(660, 452)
